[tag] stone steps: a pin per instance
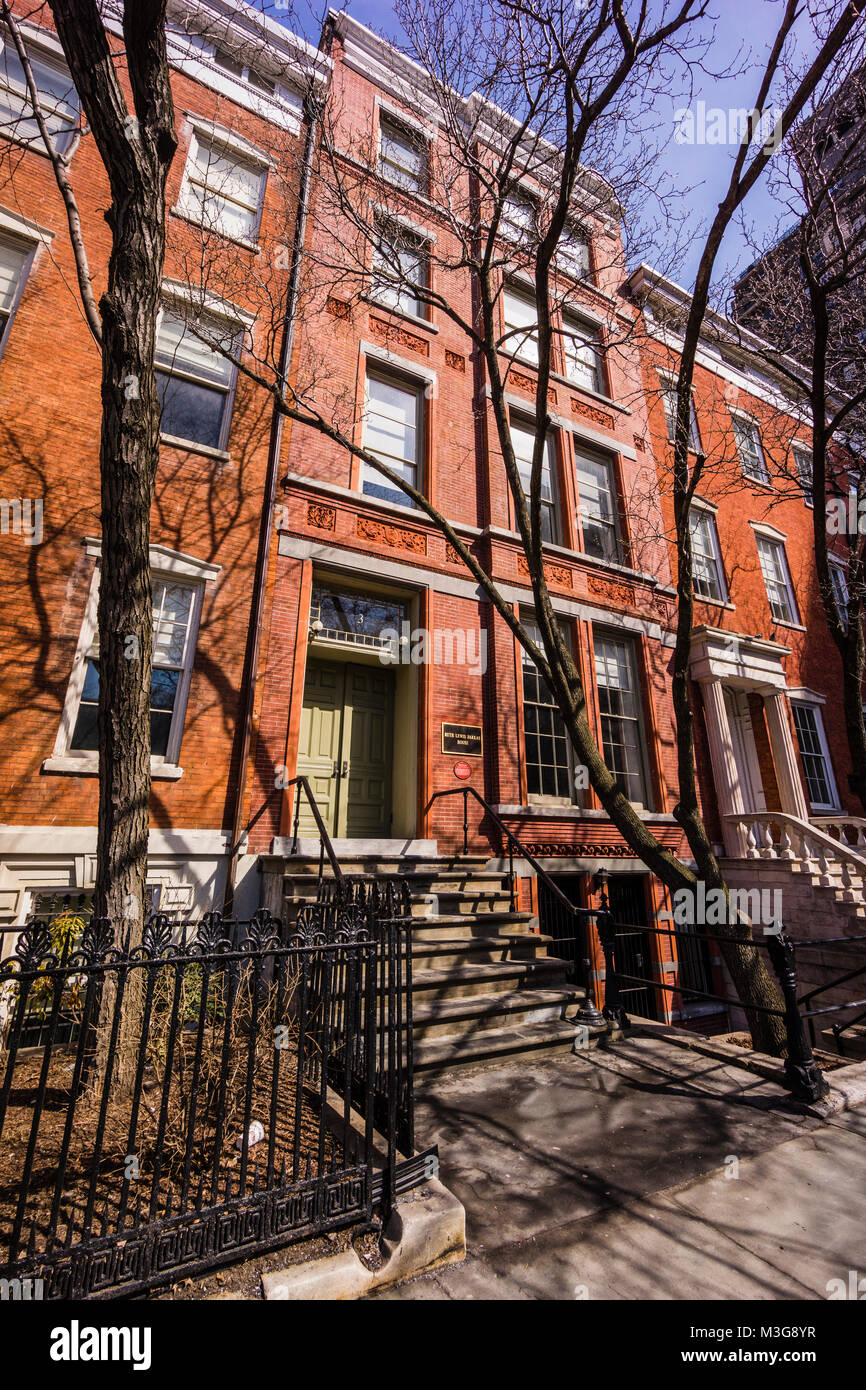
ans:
(483, 983)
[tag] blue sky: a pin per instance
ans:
(743, 31)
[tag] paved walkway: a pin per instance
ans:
(643, 1171)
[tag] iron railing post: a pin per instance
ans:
(297, 818)
(803, 1076)
(613, 1009)
(465, 820)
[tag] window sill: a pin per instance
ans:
(414, 319)
(88, 766)
(573, 812)
(191, 447)
(185, 216)
(793, 627)
(717, 603)
(598, 396)
(759, 482)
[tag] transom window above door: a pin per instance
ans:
(338, 615)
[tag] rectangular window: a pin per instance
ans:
(523, 443)
(57, 98)
(669, 397)
(547, 747)
(393, 434)
(222, 191)
(814, 754)
(598, 509)
(619, 706)
(839, 581)
(399, 270)
(707, 573)
(774, 567)
(402, 156)
(518, 218)
(750, 449)
(194, 382)
(520, 325)
(583, 357)
(14, 258)
(803, 465)
(173, 606)
(572, 254)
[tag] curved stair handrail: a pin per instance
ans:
(804, 841)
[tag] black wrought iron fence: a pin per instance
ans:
(217, 1095)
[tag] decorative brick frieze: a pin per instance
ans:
(396, 537)
(557, 575)
(621, 594)
(591, 412)
(392, 334)
(323, 518)
(454, 359)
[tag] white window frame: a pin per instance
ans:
(610, 528)
(628, 643)
(839, 582)
(29, 246)
(413, 140)
(520, 349)
(383, 279)
(803, 455)
(381, 372)
(549, 507)
(43, 47)
(520, 230)
(225, 148)
(172, 567)
(835, 804)
(575, 794)
(578, 266)
(747, 422)
(175, 303)
(778, 543)
(706, 516)
(669, 399)
(575, 327)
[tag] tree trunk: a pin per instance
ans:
(137, 152)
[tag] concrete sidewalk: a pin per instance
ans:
(639, 1172)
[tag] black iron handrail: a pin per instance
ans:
(513, 843)
(325, 845)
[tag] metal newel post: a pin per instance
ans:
(613, 1010)
(297, 795)
(465, 820)
(803, 1076)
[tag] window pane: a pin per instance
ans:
(545, 741)
(398, 264)
(179, 350)
(812, 755)
(401, 158)
(748, 438)
(57, 94)
(573, 254)
(775, 571)
(391, 434)
(517, 220)
(523, 443)
(190, 411)
(705, 568)
(85, 735)
(582, 354)
(12, 258)
(597, 508)
(222, 192)
(620, 717)
(520, 313)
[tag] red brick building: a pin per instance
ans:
(309, 594)
(237, 86)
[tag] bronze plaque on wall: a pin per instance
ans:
(464, 739)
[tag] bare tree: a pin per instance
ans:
(806, 297)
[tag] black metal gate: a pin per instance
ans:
(627, 893)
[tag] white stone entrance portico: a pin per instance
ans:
(733, 662)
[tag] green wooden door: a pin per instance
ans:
(368, 743)
(346, 748)
(320, 742)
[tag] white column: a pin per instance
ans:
(725, 775)
(788, 778)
